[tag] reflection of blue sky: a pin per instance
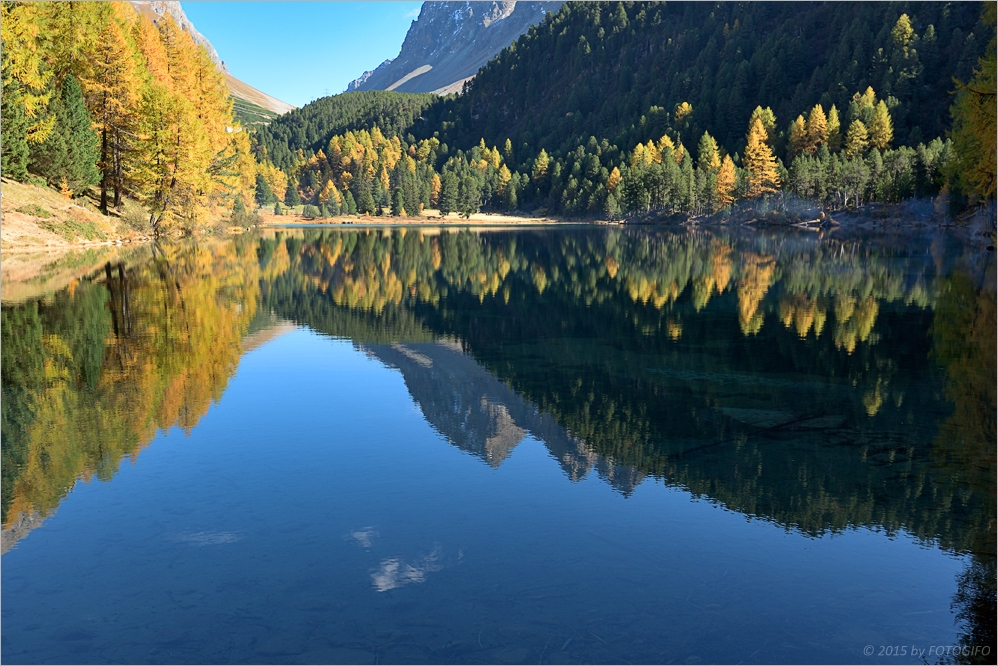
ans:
(314, 440)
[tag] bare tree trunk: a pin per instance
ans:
(118, 184)
(105, 175)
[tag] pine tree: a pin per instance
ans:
(264, 195)
(726, 181)
(881, 128)
(70, 152)
(760, 162)
(834, 130)
(469, 196)
(398, 202)
(856, 139)
(611, 208)
(448, 193)
(291, 196)
(14, 146)
(707, 157)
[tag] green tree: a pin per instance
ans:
(398, 202)
(69, 154)
(264, 195)
(449, 187)
(291, 196)
(469, 196)
(14, 147)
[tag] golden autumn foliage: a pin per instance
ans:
(160, 106)
(725, 183)
(760, 162)
(160, 343)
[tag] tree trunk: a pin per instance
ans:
(105, 175)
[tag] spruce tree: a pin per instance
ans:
(14, 147)
(264, 195)
(469, 197)
(448, 193)
(69, 154)
(398, 203)
(291, 196)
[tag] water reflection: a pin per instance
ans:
(815, 383)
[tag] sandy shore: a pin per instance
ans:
(431, 218)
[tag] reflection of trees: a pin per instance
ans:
(668, 360)
(964, 344)
(91, 374)
(506, 294)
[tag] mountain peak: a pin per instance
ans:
(156, 9)
(448, 43)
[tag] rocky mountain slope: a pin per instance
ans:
(450, 41)
(156, 9)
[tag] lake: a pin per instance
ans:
(540, 445)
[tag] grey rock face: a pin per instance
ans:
(449, 43)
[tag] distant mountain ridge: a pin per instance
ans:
(448, 43)
(156, 9)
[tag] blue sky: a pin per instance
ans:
(299, 51)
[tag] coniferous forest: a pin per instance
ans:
(682, 108)
(604, 110)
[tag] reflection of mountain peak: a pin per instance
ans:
(483, 416)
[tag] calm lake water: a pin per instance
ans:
(582, 445)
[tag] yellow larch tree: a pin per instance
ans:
(613, 180)
(760, 162)
(504, 178)
(21, 29)
(111, 83)
(881, 128)
(798, 136)
(834, 129)
(725, 183)
(817, 129)
(856, 139)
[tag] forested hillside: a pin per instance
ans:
(312, 126)
(96, 97)
(617, 70)
(607, 109)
